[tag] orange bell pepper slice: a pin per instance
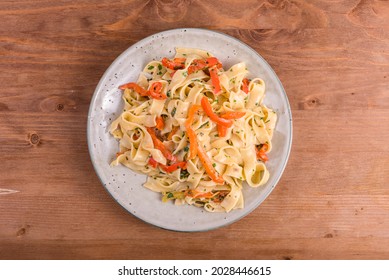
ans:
(190, 132)
(261, 153)
(160, 123)
(197, 194)
(167, 168)
(232, 115)
(222, 130)
(245, 85)
(160, 146)
(213, 61)
(213, 72)
(153, 163)
(175, 64)
(215, 118)
(174, 130)
(173, 167)
(205, 160)
(135, 87)
(155, 91)
(202, 64)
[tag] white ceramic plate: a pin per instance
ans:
(124, 185)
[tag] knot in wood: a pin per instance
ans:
(34, 139)
(60, 107)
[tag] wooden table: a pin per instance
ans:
(333, 60)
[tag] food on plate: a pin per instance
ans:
(196, 129)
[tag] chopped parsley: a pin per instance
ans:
(151, 67)
(170, 195)
(184, 174)
(204, 124)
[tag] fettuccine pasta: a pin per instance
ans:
(198, 131)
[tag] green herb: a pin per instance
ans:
(184, 174)
(174, 111)
(150, 67)
(214, 164)
(170, 195)
(169, 92)
(186, 149)
(159, 66)
(204, 124)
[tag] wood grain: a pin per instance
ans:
(333, 60)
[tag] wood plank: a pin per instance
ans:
(242, 248)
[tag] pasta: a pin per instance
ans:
(198, 131)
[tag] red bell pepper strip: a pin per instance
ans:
(205, 160)
(196, 65)
(232, 115)
(222, 130)
(197, 194)
(245, 85)
(173, 167)
(155, 91)
(215, 80)
(153, 163)
(213, 61)
(167, 168)
(202, 64)
(135, 87)
(215, 118)
(190, 132)
(160, 146)
(174, 130)
(160, 123)
(261, 152)
(175, 64)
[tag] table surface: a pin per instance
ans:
(333, 60)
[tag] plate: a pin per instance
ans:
(106, 105)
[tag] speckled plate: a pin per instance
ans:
(124, 185)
